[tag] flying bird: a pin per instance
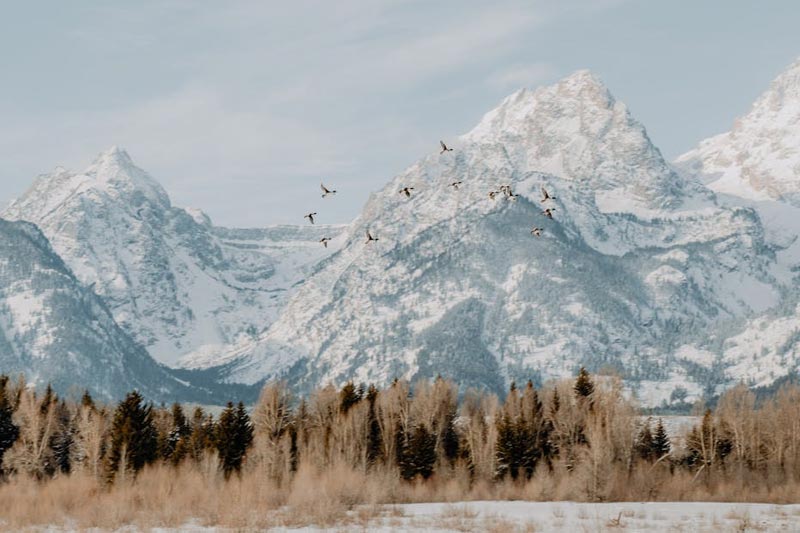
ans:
(549, 212)
(492, 194)
(546, 196)
(310, 217)
(324, 241)
(326, 191)
(406, 191)
(537, 231)
(370, 238)
(455, 184)
(444, 148)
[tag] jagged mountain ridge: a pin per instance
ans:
(638, 265)
(644, 269)
(759, 158)
(179, 285)
(757, 165)
(54, 330)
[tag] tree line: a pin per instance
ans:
(583, 433)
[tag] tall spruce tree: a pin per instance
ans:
(661, 442)
(349, 397)
(374, 440)
(133, 435)
(536, 429)
(63, 439)
(644, 443)
(507, 450)
(233, 436)
(176, 445)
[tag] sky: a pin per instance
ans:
(242, 107)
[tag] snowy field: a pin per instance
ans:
(576, 517)
(510, 517)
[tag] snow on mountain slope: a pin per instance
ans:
(180, 286)
(54, 330)
(759, 159)
(756, 165)
(637, 262)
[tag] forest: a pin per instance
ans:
(323, 455)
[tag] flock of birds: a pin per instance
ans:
(503, 191)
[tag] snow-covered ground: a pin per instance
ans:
(509, 517)
(578, 517)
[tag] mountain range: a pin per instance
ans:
(680, 277)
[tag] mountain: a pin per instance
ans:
(55, 330)
(757, 165)
(637, 266)
(759, 158)
(180, 286)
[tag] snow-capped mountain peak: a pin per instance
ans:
(115, 170)
(630, 264)
(111, 178)
(785, 89)
(175, 282)
(759, 158)
(576, 129)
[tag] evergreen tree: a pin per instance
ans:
(661, 442)
(535, 431)
(8, 431)
(48, 400)
(176, 442)
(450, 441)
(507, 452)
(133, 435)
(644, 443)
(234, 435)
(348, 397)
(555, 405)
(374, 440)
(63, 439)
(584, 387)
(419, 454)
(87, 400)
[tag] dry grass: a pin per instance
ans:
(341, 497)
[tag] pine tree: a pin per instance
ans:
(176, 445)
(63, 439)
(233, 436)
(534, 431)
(48, 400)
(661, 442)
(348, 397)
(584, 387)
(133, 436)
(644, 443)
(87, 400)
(419, 454)
(374, 440)
(507, 451)
(8, 431)
(555, 404)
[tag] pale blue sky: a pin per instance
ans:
(241, 107)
